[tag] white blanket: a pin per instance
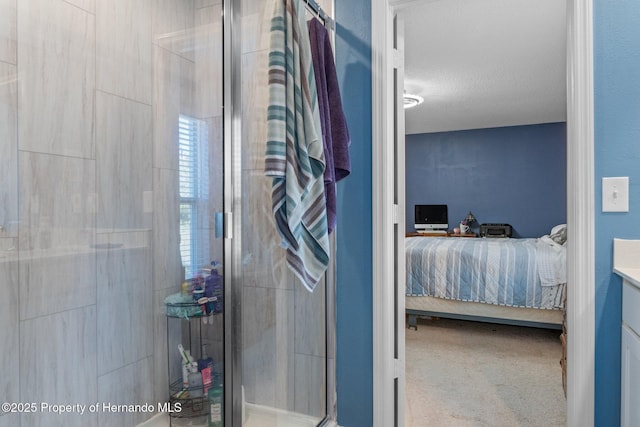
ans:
(552, 264)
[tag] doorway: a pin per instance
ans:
(580, 310)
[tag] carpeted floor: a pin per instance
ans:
(479, 374)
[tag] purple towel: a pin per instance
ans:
(335, 134)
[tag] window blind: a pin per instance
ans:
(193, 175)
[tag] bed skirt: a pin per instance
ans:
(466, 310)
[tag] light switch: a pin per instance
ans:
(615, 194)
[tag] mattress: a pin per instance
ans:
(522, 273)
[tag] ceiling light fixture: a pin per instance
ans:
(411, 101)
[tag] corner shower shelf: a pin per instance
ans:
(186, 310)
(190, 407)
(190, 316)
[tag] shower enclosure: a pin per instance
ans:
(131, 156)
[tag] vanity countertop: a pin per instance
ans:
(632, 275)
(626, 260)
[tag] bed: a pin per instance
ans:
(502, 280)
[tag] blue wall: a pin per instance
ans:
(617, 153)
(354, 364)
(514, 175)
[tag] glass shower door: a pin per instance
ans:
(285, 344)
(189, 108)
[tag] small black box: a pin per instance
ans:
(495, 230)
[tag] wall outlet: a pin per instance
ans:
(615, 194)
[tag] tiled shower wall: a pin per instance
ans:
(284, 338)
(90, 92)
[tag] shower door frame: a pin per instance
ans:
(232, 121)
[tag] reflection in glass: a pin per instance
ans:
(194, 193)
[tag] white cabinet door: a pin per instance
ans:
(630, 404)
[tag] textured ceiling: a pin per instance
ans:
(484, 63)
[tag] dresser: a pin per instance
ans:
(626, 263)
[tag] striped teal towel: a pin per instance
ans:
(295, 154)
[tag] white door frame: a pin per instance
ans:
(580, 214)
(384, 368)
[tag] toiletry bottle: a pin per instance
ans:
(184, 288)
(195, 381)
(186, 363)
(216, 407)
(217, 285)
(185, 376)
(205, 366)
(198, 293)
(208, 291)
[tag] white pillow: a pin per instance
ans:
(559, 234)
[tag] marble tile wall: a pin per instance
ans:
(9, 285)
(57, 262)
(268, 354)
(89, 220)
(124, 48)
(255, 91)
(88, 5)
(173, 95)
(124, 302)
(310, 334)
(58, 364)
(57, 67)
(124, 142)
(205, 3)
(208, 58)
(310, 396)
(135, 386)
(168, 271)
(10, 420)
(8, 24)
(9, 337)
(173, 26)
(256, 18)
(8, 150)
(263, 261)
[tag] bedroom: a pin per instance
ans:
(490, 137)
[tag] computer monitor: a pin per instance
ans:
(431, 217)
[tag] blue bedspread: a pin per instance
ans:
(495, 271)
